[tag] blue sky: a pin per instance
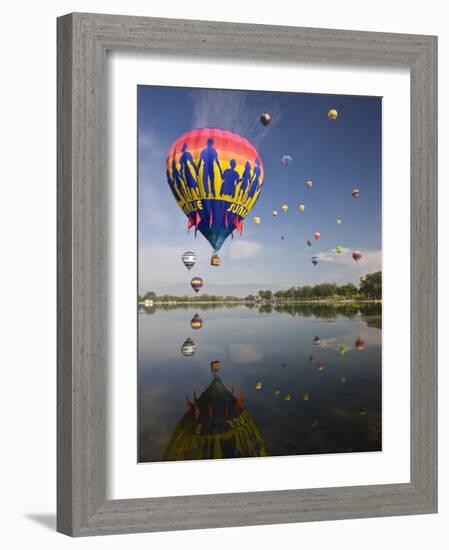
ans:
(337, 156)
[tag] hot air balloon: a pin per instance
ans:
(189, 259)
(317, 235)
(338, 221)
(359, 344)
(357, 256)
(284, 208)
(265, 118)
(256, 220)
(316, 341)
(287, 397)
(332, 114)
(216, 178)
(305, 397)
(188, 349)
(320, 366)
(338, 249)
(215, 259)
(286, 160)
(196, 283)
(314, 260)
(196, 323)
(309, 184)
(355, 193)
(258, 385)
(309, 243)
(363, 278)
(301, 208)
(275, 213)
(277, 391)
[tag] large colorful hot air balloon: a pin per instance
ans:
(196, 283)
(189, 259)
(216, 178)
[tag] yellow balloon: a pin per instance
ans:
(301, 208)
(258, 385)
(285, 208)
(309, 183)
(288, 397)
(256, 220)
(332, 114)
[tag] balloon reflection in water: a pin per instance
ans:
(188, 349)
(320, 366)
(316, 341)
(215, 425)
(196, 323)
(359, 344)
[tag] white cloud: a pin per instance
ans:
(371, 259)
(240, 249)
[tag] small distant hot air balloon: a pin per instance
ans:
(309, 243)
(315, 260)
(189, 259)
(320, 366)
(277, 391)
(284, 208)
(301, 207)
(258, 385)
(286, 160)
(287, 397)
(332, 114)
(282, 237)
(359, 344)
(196, 323)
(265, 118)
(357, 256)
(256, 220)
(355, 193)
(363, 278)
(196, 283)
(305, 397)
(316, 341)
(338, 221)
(188, 348)
(309, 184)
(338, 249)
(317, 235)
(215, 366)
(275, 213)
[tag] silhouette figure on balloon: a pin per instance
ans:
(186, 161)
(255, 179)
(209, 157)
(230, 179)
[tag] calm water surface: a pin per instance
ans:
(273, 391)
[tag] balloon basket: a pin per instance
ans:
(215, 260)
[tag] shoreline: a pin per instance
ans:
(263, 302)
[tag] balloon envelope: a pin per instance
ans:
(301, 207)
(256, 220)
(317, 235)
(355, 193)
(216, 177)
(265, 118)
(338, 249)
(309, 184)
(287, 160)
(309, 243)
(196, 323)
(196, 283)
(189, 259)
(332, 114)
(314, 260)
(357, 256)
(284, 208)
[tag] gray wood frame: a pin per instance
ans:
(83, 40)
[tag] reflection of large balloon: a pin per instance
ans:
(357, 256)
(215, 425)
(188, 348)
(317, 235)
(196, 323)
(315, 260)
(316, 341)
(216, 178)
(265, 118)
(286, 160)
(189, 259)
(196, 283)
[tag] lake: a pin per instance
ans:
(224, 381)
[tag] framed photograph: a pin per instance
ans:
(247, 278)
